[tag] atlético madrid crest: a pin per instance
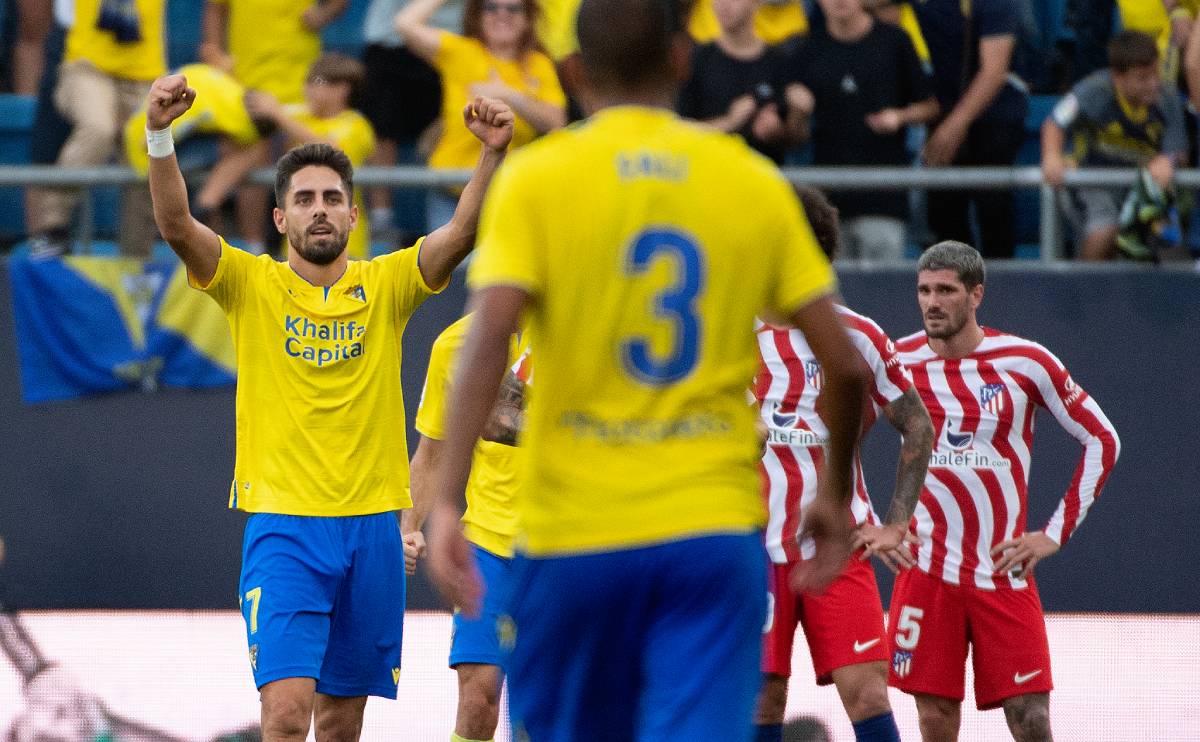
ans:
(901, 663)
(991, 398)
(813, 375)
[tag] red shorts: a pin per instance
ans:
(932, 622)
(843, 625)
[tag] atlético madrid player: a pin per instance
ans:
(844, 624)
(974, 578)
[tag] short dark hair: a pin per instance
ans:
(824, 219)
(322, 155)
(472, 24)
(627, 43)
(338, 68)
(1129, 49)
(956, 256)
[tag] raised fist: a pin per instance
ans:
(491, 121)
(169, 98)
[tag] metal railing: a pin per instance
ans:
(830, 178)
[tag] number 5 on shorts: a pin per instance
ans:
(254, 596)
(908, 631)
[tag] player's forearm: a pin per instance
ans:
(995, 54)
(908, 415)
(195, 244)
(460, 231)
(484, 357)
(424, 465)
(844, 397)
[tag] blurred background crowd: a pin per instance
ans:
(927, 83)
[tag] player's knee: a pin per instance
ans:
(939, 718)
(478, 706)
(286, 717)
(1028, 717)
(772, 700)
(868, 700)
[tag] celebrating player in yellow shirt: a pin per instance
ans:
(320, 418)
(490, 523)
(640, 248)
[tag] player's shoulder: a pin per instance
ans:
(914, 346)
(1007, 348)
(865, 331)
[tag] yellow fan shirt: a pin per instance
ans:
(462, 62)
(490, 520)
(320, 411)
(139, 60)
(774, 22)
(218, 109)
(271, 47)
(352, 133)
(644, 277)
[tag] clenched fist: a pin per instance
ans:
(491, 121)
(169, 98)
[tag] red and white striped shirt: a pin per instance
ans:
(788, 384)
(982, 407)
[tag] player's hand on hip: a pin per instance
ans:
(889, 544)
(170, 97)
(414, 549)
(1021, 554)
(451, 566)
(828, 525)
(491, 121)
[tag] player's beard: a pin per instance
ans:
(319, 249)
(951, 323)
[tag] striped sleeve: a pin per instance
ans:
(1082, 417)
(889, 379)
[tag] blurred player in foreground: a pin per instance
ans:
(320, 417)
(844, 624)
(639, 587)
(974, 579)
(490, 524)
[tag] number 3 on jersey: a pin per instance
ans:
(676, 303)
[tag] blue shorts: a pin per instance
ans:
(657, 643)
(484, 640)
(323, 598)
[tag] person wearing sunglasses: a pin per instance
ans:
(497, 56)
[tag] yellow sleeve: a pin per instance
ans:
(454, 52)
(408, 285)
(549, 88)
(431, 413)
(507, 251)
(804, 272)
(228, 284)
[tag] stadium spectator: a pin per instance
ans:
(1119, 117)
(776, 22)
(844, 625)
(738, 84)
(35, 19)
(113, 52)
(641, 584)
(326, 116)
(983, 106)
(974, 585)
(497, 56)
(50, 129)
(320, 418)
(266, 46)
(862, 83)
(219, 111)
(402, 96)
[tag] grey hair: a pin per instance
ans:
(956, 256)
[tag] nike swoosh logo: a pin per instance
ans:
(860, 647)
(1019, 679)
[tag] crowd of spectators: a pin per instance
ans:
(829, 82)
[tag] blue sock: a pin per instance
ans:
(880, 728)
(768, 733)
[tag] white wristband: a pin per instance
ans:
(159, 143)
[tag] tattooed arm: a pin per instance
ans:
(508, 415)
(907, 415)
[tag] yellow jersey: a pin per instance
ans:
(271, 47)
(490, 520)
(352, 133)
(140, 60)
(774, 22)
(218, 109)
(320, 411)
(641, 303)
(462, 61)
